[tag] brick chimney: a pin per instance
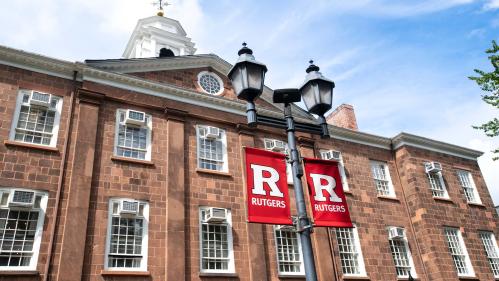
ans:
(343, 116)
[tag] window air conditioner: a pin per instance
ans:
(433, 167)
(215, 215)
(211, 132)
(275, 145)
(396, 233)
(39, 99)
(135, 117)
(331, 155)
(21, 198)
(129, 207)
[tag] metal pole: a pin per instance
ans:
(304, 226)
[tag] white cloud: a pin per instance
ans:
(491, 5)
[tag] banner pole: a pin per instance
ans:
(304, 226)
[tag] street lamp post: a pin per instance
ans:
(247, 77)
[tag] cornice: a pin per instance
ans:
(405, 139)
(344, 134)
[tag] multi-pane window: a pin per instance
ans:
(352, 262)
(336, 156)
(133, 134)
(437, 185)
(215, 238)
(382, 179)
(22, 213)
(400, 252)
(212, 148)
(469, 187)
(36, 119)
(288, 247)
(458, 252)
(492, 251)
(282, 147)
(210, 82)
(127, 235)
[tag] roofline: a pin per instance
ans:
(65, 69)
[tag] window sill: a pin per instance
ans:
(350, 277)
(291, 276)
(389, 198)
(348, 192)
(213, 172)
(124, 273)
(218, 274)
(468, 278)
(19, 273)
(30, 145)
(479, 205)
(407, 278)
(443, 199)
(131, 160)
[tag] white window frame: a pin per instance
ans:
(39, 228)
(391, 189)
(341, 166)
(15, 119)
(148, 140)
(214, 75)
(230, 267)
(472, 186)
(290, 229)
(360, 257)
(223, 138)
(289, 168)
(467, 261)
(440, 179)
(145, 237)
(492, 254)
(408, 252)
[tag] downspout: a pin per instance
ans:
(331, 248)
(418, 249)
(60, 182)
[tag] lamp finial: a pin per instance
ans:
(312, 67)
(245, 50)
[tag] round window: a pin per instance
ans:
(210, 83)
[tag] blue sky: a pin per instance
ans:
(403, 65)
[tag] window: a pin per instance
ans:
(215, 238)
(36, 119)
(282, 147)
(469, 187)
(133, 134)
(336, 156)
(458, 252)
(289, 253)
(492, 251)
(210, 83)
(22, 213)
(127, 235)
(212, 148)
(436, 180)
(382, 180)
(401, 253)
(352, 262)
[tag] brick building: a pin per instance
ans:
(131, 169)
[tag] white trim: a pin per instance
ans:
(148, 140)
(145, 236)
(440, 179)
(214, 75)
(39, 228)
(230, 267)
(472, 185)
(38, 70)
(301, 273)
(463, 248)
(341, 167)
(15, 118)
(360, 256)
(391, 189)
(223, 138)
(409, 255)
(494, 244)
(289, 168)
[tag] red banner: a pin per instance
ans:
(329, 205)
(267, 188)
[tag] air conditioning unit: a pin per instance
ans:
(128, 207)
(39, 99)
(211, 132)
(134, 117)
(275, 145)
(433, 167)
(331, 155)
(396, 233)
(215, 215)
(21, 198)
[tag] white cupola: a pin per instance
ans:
(155, 33)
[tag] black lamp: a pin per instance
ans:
(247, 77)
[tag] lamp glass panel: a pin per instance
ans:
(255, 76)
(237, 81)
(326, 95)
(308, 95)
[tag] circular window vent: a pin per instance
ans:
(210, 83)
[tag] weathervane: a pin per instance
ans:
(160, 4)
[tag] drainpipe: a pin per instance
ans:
(60, 182)
(418, 249)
